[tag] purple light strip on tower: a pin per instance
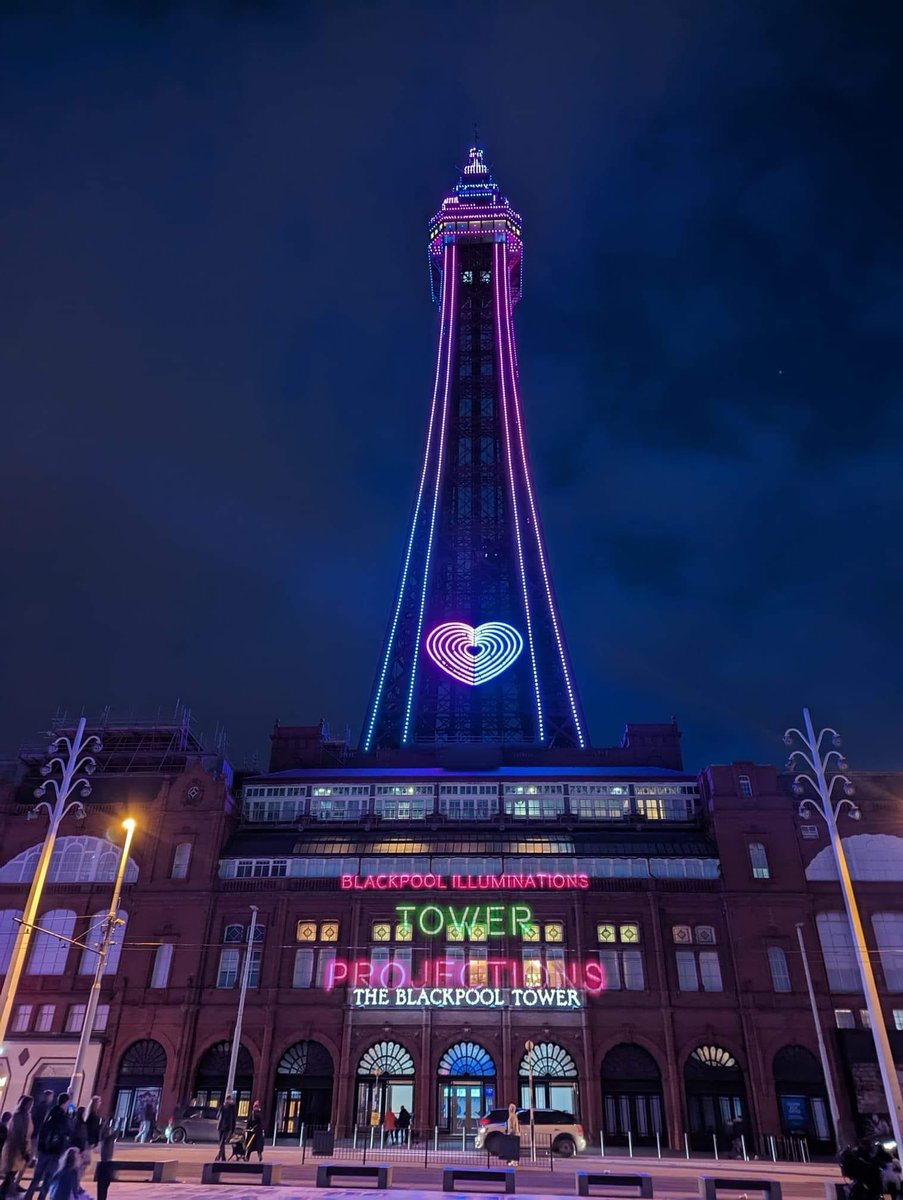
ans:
(444, 333)
(520, 552)
(452, 268)
(539, 546)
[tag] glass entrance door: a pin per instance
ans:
(462, 1105)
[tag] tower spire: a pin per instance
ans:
(475, 650)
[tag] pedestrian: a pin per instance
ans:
(512, 1128)
(66, 1183)
(53, 1142)
(42, 1107)
(402, 1125)
(254, 1133)
(93, 1130)
(80, 1139)
(860, 1164)
(389, 1121)
(225, 1126)
(736, 1136)
(16, 1153)
(4, 1128)
(148, 1118)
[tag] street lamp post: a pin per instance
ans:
(73, 758)
(111, 923)
(239, 1016)
(817, 773)
(529, 1047)
(819, 1033)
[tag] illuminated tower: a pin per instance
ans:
(475, 650)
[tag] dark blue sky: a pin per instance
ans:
(216, 342)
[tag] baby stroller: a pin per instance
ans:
(239, 1149)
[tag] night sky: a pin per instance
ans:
(216, 347)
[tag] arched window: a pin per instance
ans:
(74, 860)
(9, 928)
(388, 1058)
(713, 1056)
(466, 1058)
(306, 1058)
(143, 1061)
(888, 928)
(180, 860)
(88, 963)
(550, 1061)
(49, 953)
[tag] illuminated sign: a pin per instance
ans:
(497, 920)
(541, 881)
(474, 655)
(473, 974)
(445, 997)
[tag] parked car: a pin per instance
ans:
(196, 1124)
(554, 1128)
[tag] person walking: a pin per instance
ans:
(93, 1128)
(80, 1139)
(148, 1119)
(512, 1128)
(66, 1183)
(4, 1129)
(402, 1125)
(16, 1153)
(53, 1142)
(389, 1122)
(254, 1133)
(225, 1126)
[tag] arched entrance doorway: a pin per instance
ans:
(212, 1073)
(385, 1079)
(716, 1097)
(303, 1088)
(632, 1099)
(142, 1070)
(802, 1097)
(466, 1087)
(554, 1079)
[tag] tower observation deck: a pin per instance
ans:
(475, 650)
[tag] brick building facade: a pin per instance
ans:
(421, 916)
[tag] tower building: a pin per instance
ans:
(475, 650)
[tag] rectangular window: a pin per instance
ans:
(687, 979)
(844, 1019)
(75, 1018)
(227, 975)
(254, 969)
(865, 1018)
(632, 961)
(180, 861)
(745, 785)
(898, 1018)
(837, 951)
(44, 1023)
(888, 927)
(710, 971)
(809, 831)
(758, 861)
(304, 969)
(22, 1019)
(325, 967)
(780, 972)
(162, 961)
(101, 1018)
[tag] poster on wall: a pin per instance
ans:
(795, 1114)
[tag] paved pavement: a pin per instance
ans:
(674, 1179)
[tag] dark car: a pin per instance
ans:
(553, 1127)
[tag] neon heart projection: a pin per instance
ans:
(474, 655)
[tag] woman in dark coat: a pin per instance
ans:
(16, 1153)
(254, 1133)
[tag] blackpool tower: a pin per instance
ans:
(475, 650)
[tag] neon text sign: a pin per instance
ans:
(541, 881)
(474, 655)
(497, 920)
(465, 998)
(583, 975)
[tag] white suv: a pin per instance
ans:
(555, 1130)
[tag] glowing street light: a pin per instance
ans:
(112, 921)
(72, 757)
(820, 771)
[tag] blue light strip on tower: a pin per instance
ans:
(497, 267)
(444, 332)
(452, 267)
(562, 654)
